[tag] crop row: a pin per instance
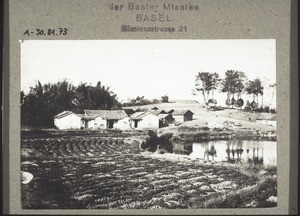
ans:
(123, 181)
(77, 147)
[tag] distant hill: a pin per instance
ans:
(201, 116)
(192, 105)
(184, 101)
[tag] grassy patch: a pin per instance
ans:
(253, 196)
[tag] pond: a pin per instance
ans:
(233, 151)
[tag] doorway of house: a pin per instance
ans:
(136, 123)
(110, 123)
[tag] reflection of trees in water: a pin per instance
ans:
(179, 148)
(235, 151)
(257, 158)
(209, 150)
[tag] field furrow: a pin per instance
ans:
(99, 173)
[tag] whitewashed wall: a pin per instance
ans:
(178, 118)
(122, 124)
(71, 121)
(90, 124)
(148, 122)
(100, 123)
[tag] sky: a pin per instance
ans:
(150, 68)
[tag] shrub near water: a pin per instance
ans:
(158, 143)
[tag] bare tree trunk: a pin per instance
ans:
(228, 100)
(204, 97)
(272, 98)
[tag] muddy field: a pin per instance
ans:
(100, 173)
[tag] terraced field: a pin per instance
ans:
(101, 173)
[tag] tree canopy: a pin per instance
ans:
(233, 82)
(255, 87)
(43, 102)
(205, 83)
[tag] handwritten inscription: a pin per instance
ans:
(46, 32)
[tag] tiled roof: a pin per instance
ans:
(63, 114)
(137, 115)
(141, 115)
(106, 114)
(162, 116)
(181, 112)
(169, 110)
(157, 112)
(84, 117)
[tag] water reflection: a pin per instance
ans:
(233, 151)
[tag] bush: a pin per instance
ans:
(248, 106)
(259, 109)
(253, 105)
(154, 142)
(267, 109)
(239, 102)
(232, 101)
(212, 101)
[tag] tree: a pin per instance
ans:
(205, 83)
(43, 102)
(233, 83)
(165, 99)
(255, 88)
(139, 101)
(212, 103)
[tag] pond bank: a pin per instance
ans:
(197, 134)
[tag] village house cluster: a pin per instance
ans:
(124, 119)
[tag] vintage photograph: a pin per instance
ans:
(148, 124)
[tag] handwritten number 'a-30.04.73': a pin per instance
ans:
(41, 32)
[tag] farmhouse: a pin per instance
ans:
(102, 119)
(68, 120)
(182, 115)
(145, 120)
(166, 118)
